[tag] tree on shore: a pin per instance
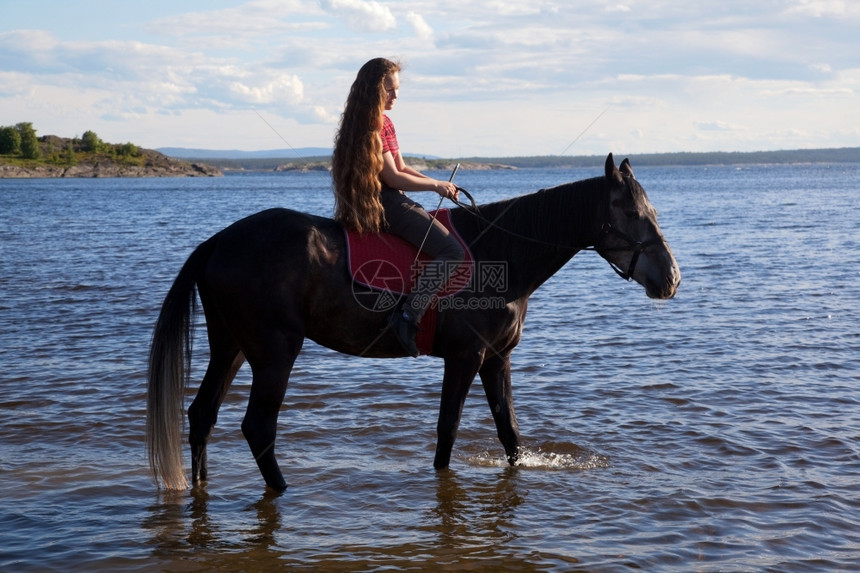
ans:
(29, 142)
(91, 142)
(69, 155)
(10, 141)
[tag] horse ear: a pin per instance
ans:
(626, 168)
(612, 173)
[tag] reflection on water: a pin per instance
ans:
(468, 511)
(181, 525)
(470, 519)
(165, 520)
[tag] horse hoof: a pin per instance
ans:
(278, 487)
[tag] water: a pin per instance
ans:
(714, 432)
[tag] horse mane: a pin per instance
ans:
(558, 216)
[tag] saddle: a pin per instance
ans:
(389, 265)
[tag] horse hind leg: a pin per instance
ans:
(203, 412)
(225, 359)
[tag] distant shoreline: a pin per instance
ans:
(294, 162)
(197, 162)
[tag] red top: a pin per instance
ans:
(389, 136)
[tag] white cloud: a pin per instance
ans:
(419, 24)
(362, 15)
(717, 126)
(23, 41)
(324, 116)
(823, 8)
(243, 21)
(283, 88)
(482, 77)
(15, 85)
(509, 8)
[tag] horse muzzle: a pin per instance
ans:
(659, 284)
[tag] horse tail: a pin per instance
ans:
(169, 370)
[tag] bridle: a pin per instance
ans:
(636, 247)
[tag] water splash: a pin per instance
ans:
(550, 457)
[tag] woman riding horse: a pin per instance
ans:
(369, 179)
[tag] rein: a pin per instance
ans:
(475, 212)
(637, 247)
(436, 212)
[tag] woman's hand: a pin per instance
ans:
(448, 190)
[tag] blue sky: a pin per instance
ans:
(483, 77)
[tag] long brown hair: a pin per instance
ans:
(357, 159)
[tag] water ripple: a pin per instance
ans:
(718, 431)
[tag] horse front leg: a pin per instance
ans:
(496, 378)
(459, 374)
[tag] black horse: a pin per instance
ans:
(271, 280)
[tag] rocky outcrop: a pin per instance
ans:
(421, 165)
(18, 172)
(111, 170)
(147, 163)
(302, 167)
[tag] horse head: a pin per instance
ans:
(631, 240)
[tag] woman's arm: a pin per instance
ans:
(396, 174)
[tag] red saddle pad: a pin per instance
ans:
(387, 262)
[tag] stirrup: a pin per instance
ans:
(405, 329)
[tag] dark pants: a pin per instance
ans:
(408, 220)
